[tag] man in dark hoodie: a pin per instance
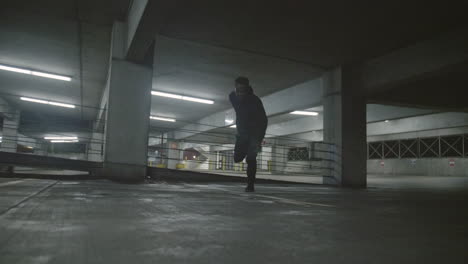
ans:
(251, 122)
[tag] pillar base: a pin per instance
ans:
(123, 172)
(330, 180)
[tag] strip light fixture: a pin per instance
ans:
(35, 73)
(307, 113)
(64, 141)
(182, 97)
(47, 102)
(233, 126)
(162, 118)
(60, 138)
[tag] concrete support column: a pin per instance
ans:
(95, 147)
(10, 131)
(345, 126)
(127, 121)
(173, 154)
(212, 157)
(41, 148)
(279, 157)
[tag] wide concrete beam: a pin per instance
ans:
(375, 113)
(145, 19)
(436, 132)
(304, 95)
(418, 123)
(416, 60)
(301, 138)
(295, 126)
(437, 124)
(378, 112)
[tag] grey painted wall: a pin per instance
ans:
(423, 167)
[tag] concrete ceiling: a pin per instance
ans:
(102, 12)
(193, 69)
(287, 117)
(203, 46)
(445, 89)
(44, 35)
(320, 33)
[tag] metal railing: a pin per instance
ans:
(449, 146)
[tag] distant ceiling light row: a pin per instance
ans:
(307, 113)
(59, 139)
(182, 97)
(162, 118)
(46, 102)
(35, 73)
(64, 141)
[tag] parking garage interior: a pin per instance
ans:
(117, 134)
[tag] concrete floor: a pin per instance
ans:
(45, 221)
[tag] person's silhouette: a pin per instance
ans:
(251, 123)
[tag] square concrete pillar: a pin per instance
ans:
(95, 147)
(10, 132)
(41, 148)
(127, 121)
(279, 157)
(174, 154)
(344, 122)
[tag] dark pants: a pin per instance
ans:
(247, 147)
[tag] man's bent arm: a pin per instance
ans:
(234, 100)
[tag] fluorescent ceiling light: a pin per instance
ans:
(35, 73)
(60, 138)
(51, 76)
(386, 121)
(47, 102)
(13, 69)
(233, 126)
(34, 100)
(304, 113)
(62, 104)
(162, 119)
(197, 100)
(229, 121)
(64, 141)
(175, 96)
(182, 97)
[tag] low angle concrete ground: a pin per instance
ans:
(395, 220)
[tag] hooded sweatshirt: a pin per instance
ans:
(251, 119)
